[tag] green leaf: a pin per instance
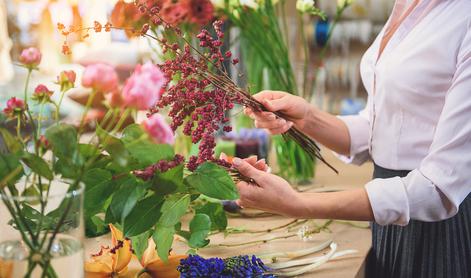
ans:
(38, 165)
(132, 133)
(140, 243)
(173, 209)
(11, 169)
(148, 153)
(213, 181)
(13, 144)
(63, 139)
(95, 227)
(216, 213)
(144, 216)
(200, 227)
(124, 200)
(113, 146)
(163, 238)
(99, 188)
(169, 182)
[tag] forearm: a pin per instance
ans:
(344, 205)
(328, 130)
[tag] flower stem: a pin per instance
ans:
(262, 241)
(87, 108)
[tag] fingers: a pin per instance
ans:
(261, 165)
(248, 170)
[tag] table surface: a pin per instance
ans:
(344, 234)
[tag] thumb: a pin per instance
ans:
(247, 170)
(275, 104)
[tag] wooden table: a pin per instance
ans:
(345, 235)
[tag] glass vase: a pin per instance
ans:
(41, 236)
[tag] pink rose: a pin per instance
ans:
(100, 77)
(15, 107)
(143, 89)
(30, 57)
(159, 130)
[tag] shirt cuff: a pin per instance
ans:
(358, 129)
(389, 202)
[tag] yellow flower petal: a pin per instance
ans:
(6, 269)
(121, 250)
(157, 268)
(149, 254)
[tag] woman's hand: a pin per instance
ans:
(270, 193)
(294, 107)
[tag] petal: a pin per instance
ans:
(6, 269)
(123, 256)
(149, 254)
(97, 269)
(158, 268)
(115, 235)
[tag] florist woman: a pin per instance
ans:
(416, 129)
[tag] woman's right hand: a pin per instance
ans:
(295, 108)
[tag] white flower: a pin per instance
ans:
(305, 6)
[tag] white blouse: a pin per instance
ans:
(418, 114)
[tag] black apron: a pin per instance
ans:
(421, 249)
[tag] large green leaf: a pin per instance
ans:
(38, 165)
(213, 181)
(169, 181)
(173, 209)
(113, 146)
(163, 238)
(63, 139)
(140, 243)
(124, 200)
(148, 153)
(99, 187)
(216, 214)
(144, 216)
(13, 145)
(200, 226)
(132, 133)
(10, 169)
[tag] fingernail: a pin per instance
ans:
(290, 124)
(237, 161)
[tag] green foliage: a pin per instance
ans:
(216, 213)
(200, 227)
(144, 216)
(38, 165)
(213, 181)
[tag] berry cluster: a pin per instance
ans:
(234, 267)
(196, 102)
(161, 167)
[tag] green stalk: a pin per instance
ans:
(33, 125)
(87, 108)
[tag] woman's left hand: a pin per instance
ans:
(270, 193)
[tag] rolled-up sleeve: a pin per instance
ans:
(359, 131)
(434, 190)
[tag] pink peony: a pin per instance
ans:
(143, 89)
(100, 77)
(66, 80)
(30, 57)
(15, 107)
(42, 93)
(159, 130)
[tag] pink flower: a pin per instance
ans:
(100, 77)
(42, 93)
(30, 57)
(159, 130)
(66, 80)
(15, 107)
(143, 89)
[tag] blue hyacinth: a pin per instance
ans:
(234, 267)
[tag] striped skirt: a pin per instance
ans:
(421, 249)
